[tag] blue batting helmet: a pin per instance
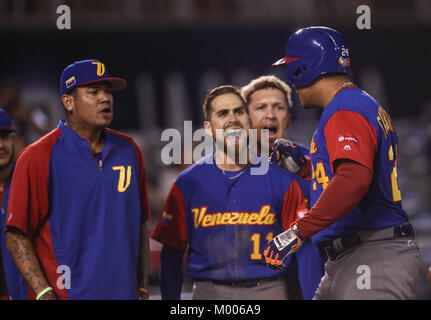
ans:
(314, 51)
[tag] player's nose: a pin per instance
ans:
(232, 117)
(269, 113)
(105, 96)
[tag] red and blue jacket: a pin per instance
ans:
(82, 212)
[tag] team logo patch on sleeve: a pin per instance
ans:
(347, 142)
(341, 139)
(347, 147)
(166, 217)
(70, 82)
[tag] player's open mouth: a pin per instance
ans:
(272, 130)
(233, 132)
(233, 135)
(106, 110)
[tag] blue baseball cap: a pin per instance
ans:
(85, 72)
(5, 124)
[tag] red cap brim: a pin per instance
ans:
(284, 61)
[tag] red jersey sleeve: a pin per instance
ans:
(171, 228)
(294, 205)
(145, 204)
(350, 136)
(350, 183)
(28, 204)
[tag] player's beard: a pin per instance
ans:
(235, 151)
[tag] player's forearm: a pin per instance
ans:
(25, 258)
(144, 258)
(346, 189)
(171, 273)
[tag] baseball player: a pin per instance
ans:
(356, 214)
(76, 225)
(223, 215)
(268, 100)
(13, 280)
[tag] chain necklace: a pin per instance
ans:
(237, 175)
(345, 84)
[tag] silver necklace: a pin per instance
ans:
(237, 175)
(345, 84)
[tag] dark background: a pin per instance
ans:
(401, 55)
(172, 52)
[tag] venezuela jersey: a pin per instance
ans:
(354, 126)
(83, 216)
(226, 219)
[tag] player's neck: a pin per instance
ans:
(93, 135)
(224, 162)
(327, 88)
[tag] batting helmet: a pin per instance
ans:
(314, 51)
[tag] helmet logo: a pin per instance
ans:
(344, 62)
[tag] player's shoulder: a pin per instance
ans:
(121, 138)
(351, 102)
(356, 98)
(280, 175)
(40, 150)
(305, 150)
(196, 170)
(124, 141)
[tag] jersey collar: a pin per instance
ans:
(107, 142)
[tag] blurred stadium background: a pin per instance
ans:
(172, 51)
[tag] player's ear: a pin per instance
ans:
(207, 126)
(68, 102)
(288, 120)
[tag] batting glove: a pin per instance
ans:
(288, 155)
(281, 246)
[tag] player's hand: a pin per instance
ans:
(143, 294)
(281, 246)
(288, 155)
